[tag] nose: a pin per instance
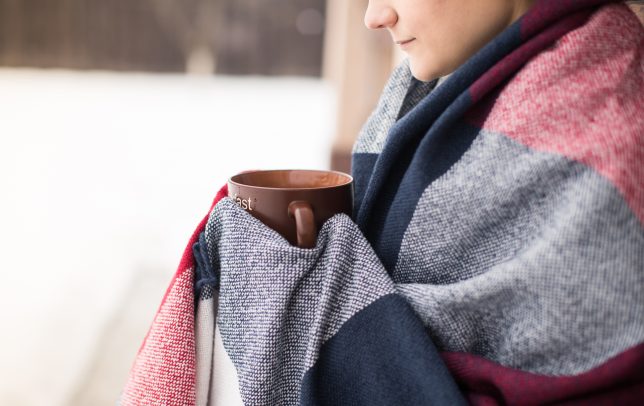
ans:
(379, 15)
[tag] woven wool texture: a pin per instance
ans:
(278, 304)
(204, 344)
(164, 371)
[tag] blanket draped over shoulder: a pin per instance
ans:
(496, 254)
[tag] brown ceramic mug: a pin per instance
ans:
(295, 203)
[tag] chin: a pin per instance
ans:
(423, 73)
(426, 72)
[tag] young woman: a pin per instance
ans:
(496, 253)
(500, 181)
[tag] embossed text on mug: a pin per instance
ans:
(244, 203)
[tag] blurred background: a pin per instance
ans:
(119, 121)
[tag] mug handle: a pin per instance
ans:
(305, 227)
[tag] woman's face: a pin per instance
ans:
(440, 35)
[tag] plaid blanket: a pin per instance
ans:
(497, 252)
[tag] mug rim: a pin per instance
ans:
(234, 179)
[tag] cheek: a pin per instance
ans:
(456, 31)
(440, 36)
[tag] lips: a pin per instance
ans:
(403, 43)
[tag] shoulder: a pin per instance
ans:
(590, 78)
(582, 98)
